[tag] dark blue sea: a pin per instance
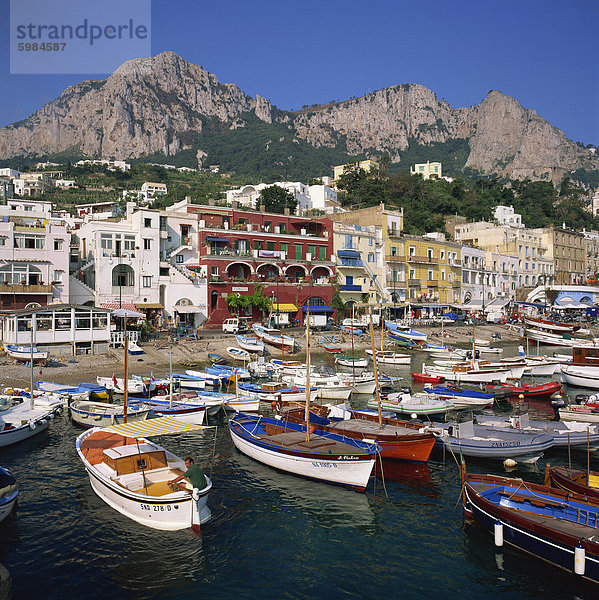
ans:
(272, 536)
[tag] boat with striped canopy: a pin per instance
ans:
(132, 474)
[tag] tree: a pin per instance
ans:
(276, 199)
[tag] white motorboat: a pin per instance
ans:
(134, 386)
(364, 383)
(274, 337)
(389, 357)
(346, 360)
(470, 372)
(24, 353)
(238, 353)
(251, 344)
(20, 419)
(418, 404)
(272, 390)
(581, 376)
(132, 474)
(103, 414)
(329, 387)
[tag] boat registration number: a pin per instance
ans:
(324, 464)
(156, 508)
(505, 444)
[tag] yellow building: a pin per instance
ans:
(433, 269)
(360, 264)
(366, 165)
(428, 170)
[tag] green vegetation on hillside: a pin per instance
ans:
(426, 203)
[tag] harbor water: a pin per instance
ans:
(271, 535)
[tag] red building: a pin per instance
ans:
(291, 257)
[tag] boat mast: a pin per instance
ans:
(125, 371)
(170, 384)
(353, 358)
(31, 360)
(376, 374)
(307, 416)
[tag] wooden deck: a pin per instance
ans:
(94, 445)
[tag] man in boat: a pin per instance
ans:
(194, 475)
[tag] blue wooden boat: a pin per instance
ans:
(398, 332)
(557, 526)
(319, 455)
(217, 359)
(9, 490)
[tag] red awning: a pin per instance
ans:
(116, 305)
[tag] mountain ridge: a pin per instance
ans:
(163, 105)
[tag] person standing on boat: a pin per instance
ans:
(521, 351)
(194, 475)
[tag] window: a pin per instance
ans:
(393, 250)
(349, 280)
(106, 242)
(257, 245)
(322, 252)
(30, 242)
(129, 243)
(147, 222)
(442, 254)
(268, 226)
(164, 271)
(163, 224)
(179, 259)
(284, 248)
(298, 252)
(147, 243)
(370, 241)
(58, 244)
(270, 245)
(431, 274)
(312, 251)
(146, 281)
(412, 274)
(213, 270)
(2, 241)
(349, 241)
(371, 257)
(58, 276)
(442, 274)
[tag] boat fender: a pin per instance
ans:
(32, 425)
(51, 416)
(579, 559)
(498, 533)
(509, 463)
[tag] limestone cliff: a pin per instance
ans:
(162, 104)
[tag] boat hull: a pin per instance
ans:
(353, 473)
(97, 414)
(529, 535)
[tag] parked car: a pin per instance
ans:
(235, 325)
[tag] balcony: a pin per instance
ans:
(416, 258)
(395, 284)
(395, 258)
(414, 282)
(456, 284)
(432, 283)
(350, 288)
(22, 288)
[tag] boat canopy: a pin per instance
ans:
(158, 426)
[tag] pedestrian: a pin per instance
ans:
(521, 351)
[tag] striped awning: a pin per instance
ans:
(116, 305)
(149, 427)
(285, 308)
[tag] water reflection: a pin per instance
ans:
(331, 506)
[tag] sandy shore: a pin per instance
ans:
(191, 353)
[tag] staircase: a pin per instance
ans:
(374, 278)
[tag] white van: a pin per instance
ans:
(235, 325)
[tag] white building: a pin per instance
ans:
(322, 197)
(133, 263)
(113, 165)
(10, 173)
(98, 211)
(154, 189)
(34, 256)
(505, 215)
(65, 183)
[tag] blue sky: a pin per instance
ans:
(543, 53)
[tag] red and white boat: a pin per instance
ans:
(543, 390)
(551, 325)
